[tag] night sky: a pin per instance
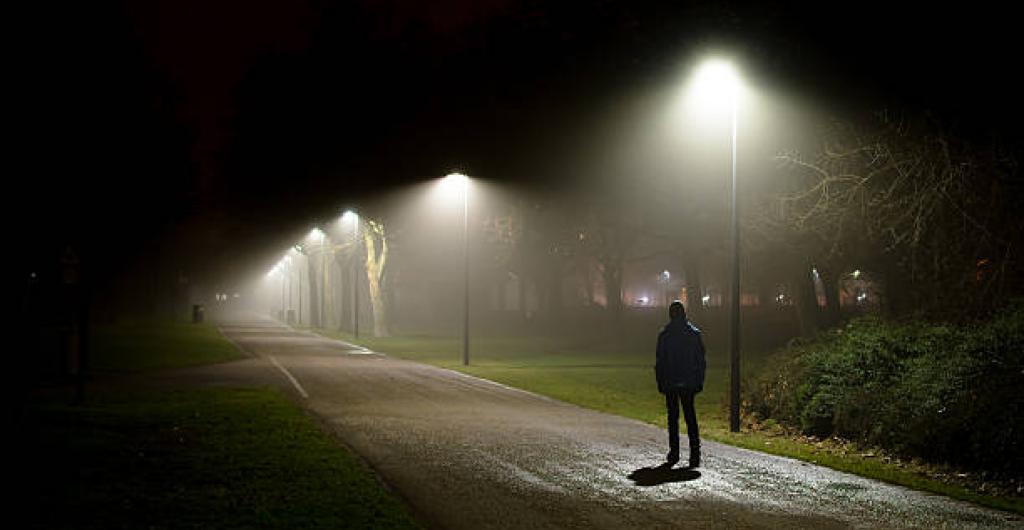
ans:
(202, 132)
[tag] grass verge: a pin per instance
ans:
(211, 458)
(616, 378)
(154, 345)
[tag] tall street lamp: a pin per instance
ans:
(278, 272)
(352, 217)
(717, 84)
(299, 251)
(286, 270)
(457, 183)
(283, 314)
(319, 234)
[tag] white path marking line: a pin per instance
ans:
(289, 376)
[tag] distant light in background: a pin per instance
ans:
(349, 217)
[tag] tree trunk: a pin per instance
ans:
(314, 298)
(376, 261)
(326, 292)
(897, 297)
(612, 270)
(523, 311)
(523, 264)
(377, 304)
(340, 294)
(830, 283)
(553, 292)
(694, 301)
(766, 294)
(806, 302)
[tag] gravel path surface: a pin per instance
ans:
(469, 453)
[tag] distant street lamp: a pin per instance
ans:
(317, 233)
(298, 272)
(457, 183)
(351, 217)
(278, 271)
(286, 266)
(717, 83)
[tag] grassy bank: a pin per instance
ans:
(153, 345)
(932, 391)
(189, 458)
(241, 458)
(618, 378)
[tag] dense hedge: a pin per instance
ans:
(946, 393)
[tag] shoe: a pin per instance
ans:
(695, 459)
(672, 458)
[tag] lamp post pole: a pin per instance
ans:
(734, 353)
(298, 273)
(291, 287)
(323, 280)
(454, 184)
(716, 83)
(465, 267)
(355, 279)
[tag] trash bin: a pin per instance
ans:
(197, 313)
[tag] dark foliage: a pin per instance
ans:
(947, 393)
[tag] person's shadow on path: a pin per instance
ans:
(654, 476)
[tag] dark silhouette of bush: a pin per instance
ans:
(945, 392)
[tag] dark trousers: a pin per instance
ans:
(672, 400)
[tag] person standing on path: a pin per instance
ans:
(679, 369)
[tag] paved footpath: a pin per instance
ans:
(469, 453)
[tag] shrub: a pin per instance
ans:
(943, 392)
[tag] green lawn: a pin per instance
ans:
(153, 345)
(617, 376)
(196, 458)
(241, 458)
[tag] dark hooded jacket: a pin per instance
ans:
(680, 357)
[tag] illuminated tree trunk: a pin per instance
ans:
(342, 301)
(376, 259)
